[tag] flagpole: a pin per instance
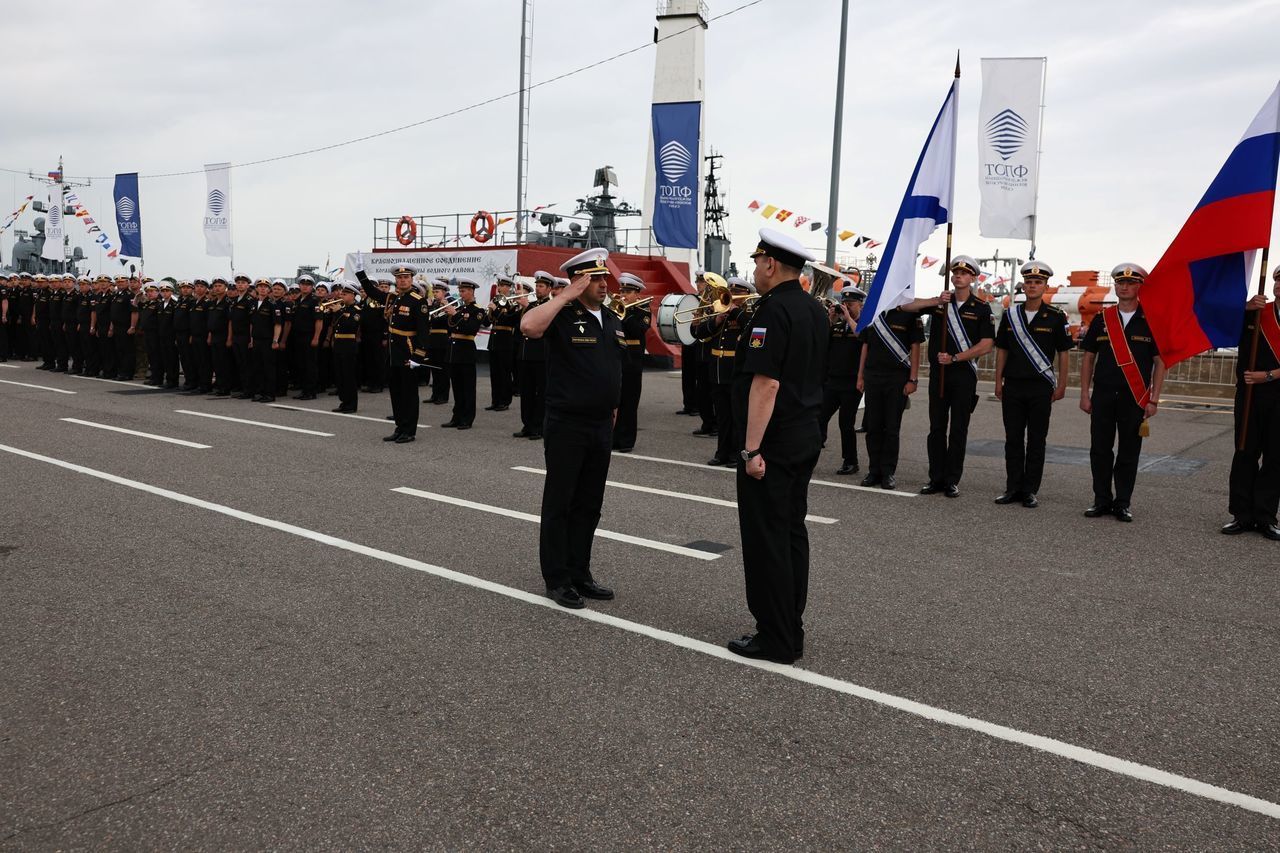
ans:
(946, 270)
(833, 202)
(1253, 354)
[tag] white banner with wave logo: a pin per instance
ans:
(55, 231)
(217, 210)
(1008, 146)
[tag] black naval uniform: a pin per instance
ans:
(149, 326)
(31, 340)
(1254, 487)
(220, 356)
(438, 354)
(840, 391)
(1115, 412)
(106, 350)
(6, 308)
(953, 391)
(284, 372)
(345, 334)
(182, 339)
(533, 381)
(239, 311)
(200, 377)
(1027, 397)
(635, 328)
(464, 325)
(304, 364)
(407, 334)
(266, 325)
(122, 319)
(41, 343)
(690, 366)
(786, 340)
(583, 387)
(719, 335)
(373, 340)
(884, 379)
(68, 340)
(168, 341)
(503, 320)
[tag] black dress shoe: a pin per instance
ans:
(952, 491)
(1123, 513)
(889, 483)
(1236, 527)
(1030, 501)
(930, 489)
(535, 436)
(500, 408)
(391, 417)
(491, 408)
(1008, 498)
(750, 647)
(566, 596)
(464, 426)
(1097, 511)
(222, 394)
(521, 434)
(394, 436)
(345, 410)
(717, 461)
(702, 431)
(591, 589)
(405, 439)
(626, 449)
(267, 398)
(848, 468)
(243, 396)
(1271, 531)
(685, 412)
(449, 425)
(870, 480)
(305, 397)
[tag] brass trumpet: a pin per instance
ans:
(451, 301)
(331, 305)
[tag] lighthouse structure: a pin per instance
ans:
(679, 76)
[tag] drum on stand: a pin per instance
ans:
(675, 318)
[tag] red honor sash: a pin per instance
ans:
(1124, 356)
(1269, 325)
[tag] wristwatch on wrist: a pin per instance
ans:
(913, 381)
(748, 455)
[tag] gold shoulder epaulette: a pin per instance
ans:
(415, 294)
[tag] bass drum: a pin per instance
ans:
(677, 329)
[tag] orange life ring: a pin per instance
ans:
(406, 231)
(483, 233)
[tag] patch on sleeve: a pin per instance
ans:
(757, 338)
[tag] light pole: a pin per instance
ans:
(834, 203)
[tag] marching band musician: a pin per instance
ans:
(407, 333)
(344, 339)
(438, 344)
(1254, 487)
(635, 328)
(585, 351)
(465, 321)
(502, 317)
(1031, 337)
(953, 390)
(718, 337)
(533, 361)
(373, 338)
(840, 391)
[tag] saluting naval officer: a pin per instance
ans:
(407, 334)
(1121, 375)
(635, 328)
(1254, 487)
(344, 337)
(720, 333)
(779, 367)
(1032, 337)
(585, 349)
(953, 374)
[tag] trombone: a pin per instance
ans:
(718, 304)
(620, 307)
(452, 301)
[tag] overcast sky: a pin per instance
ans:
(1144, 102)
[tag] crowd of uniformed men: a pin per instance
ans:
(765, 377)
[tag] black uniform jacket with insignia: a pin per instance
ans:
(502, 320)
(263, 318)
(844, 351)
(584, 363)
(533, 349)
(304, 317)
(635, 329)
(721, 337)
(373, 318)
(1049, 331)
(182, 315)
(218, 319)
(409, 327)
(1106, 373)
(906, 327)
(975, 316)
(238, 311)
(464, 325)
(786, 340)
(346, 325)
(198, 321)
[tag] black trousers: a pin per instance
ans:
(126, 353)
(883, 419)
(90, 362)
(1255, 488)
(346, 371)
(722, 403)
(44, 343)
(169, 360)
(949, 414)
(221, 359)
(463, 378)
(577, 453)
(61, 347)
(284, 374)
(155, 363)
(201, 360)
(842, 397)
(373, 358)
(624, 431)
(186, 360)
(1025, 405)
(500, 376)
(706, 402)
(775, 543)
(35, 340)
(106, 355)
(263, 359)
(402, 382)
(533, 393)
(690, 367)
(1114, 445)
(439, 357)
(324, 367)
(306, 365)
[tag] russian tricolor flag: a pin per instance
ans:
(1194, 298)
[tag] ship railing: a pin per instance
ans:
(453, 230)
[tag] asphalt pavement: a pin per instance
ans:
(307, 638)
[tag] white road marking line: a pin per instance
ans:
(684, 496)
(731, 469)
(164, 438)
(337, 414)
(11, 366)
(39, 387)
(132, 382)
(1062, 749)
(253, 423)
(528, 516)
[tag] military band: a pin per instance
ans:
(636, 319)
(840, 393)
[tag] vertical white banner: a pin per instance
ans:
(1008, 146)
(55, 231)
(217, 210)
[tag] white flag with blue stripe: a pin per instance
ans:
(926, 205)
